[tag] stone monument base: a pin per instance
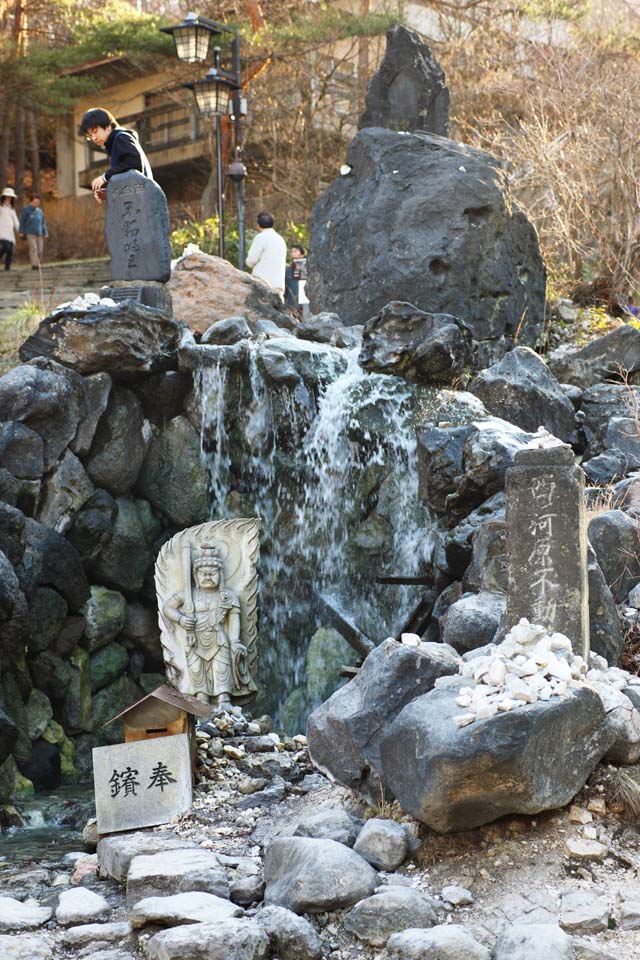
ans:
(150, 293)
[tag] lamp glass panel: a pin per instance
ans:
(212, 96)
(192, 43)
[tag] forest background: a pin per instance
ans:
(551, 87)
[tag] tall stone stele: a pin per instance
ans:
(207, 587)
(137, 230)
(547, 544)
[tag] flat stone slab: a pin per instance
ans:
(392, 910)
(80, 905)
(15, 915)
(584, 911)
(176, 871)
(116, 853)
(181, 908)
(87, 933)
(226, 940)
(24, 948)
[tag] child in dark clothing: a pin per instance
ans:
(125, 153)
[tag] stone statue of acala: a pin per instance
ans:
(206, 581)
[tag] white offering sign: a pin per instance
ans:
(143, 783)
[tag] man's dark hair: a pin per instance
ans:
(36, 196)
(298, 246)
(265, 220)
(96, 117)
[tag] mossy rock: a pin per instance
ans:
(13, 786)
(328, 651)
(39, 712)
(108, 703)
(47, 610)
(104, 611)
(15, 709)
(292, 714)
(55, 734)
(77, 704)
(107, 665)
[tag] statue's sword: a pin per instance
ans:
(188, 606)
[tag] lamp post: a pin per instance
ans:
(217, 94)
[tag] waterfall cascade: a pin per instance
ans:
(329, 464)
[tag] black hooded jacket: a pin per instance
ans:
(125, 153)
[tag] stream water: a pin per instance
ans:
(333, 476)
(53, 826)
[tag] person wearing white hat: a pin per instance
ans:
(9, 225)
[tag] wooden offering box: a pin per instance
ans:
(164, 712)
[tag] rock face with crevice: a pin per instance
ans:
(426, 220)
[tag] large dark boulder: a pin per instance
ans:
(120, 443)
(12, 532)
(534, 758)
(8, 735)
(123, 562)
(605, 630)
(472, 621)
(21, 451)
(49, 560)
(459, 467)
(606, 358)
(429, 221)
(92, 529)
(9, 587)
(174, 478)
(614, 538)
(408, 91)
(46, 402)
(125, 341)
(520, 389)
(355, 716)
(601, 405)
(418, 346)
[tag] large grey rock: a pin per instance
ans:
(15, 915)
(44, 401)
(97, 392)
(534, 758)
(408, 91)
(423, 347)
(80, 905)
(109, 702)
(292, 937)
(137, 228)
(174, 478)
(191, 907)
(602, 359)
(175, 871)
(9, 588)
(64, 492)
(141, 630)
(450, 243)
(600, 404)
(163, 394)
(532, 941)
(445, 942)
(120, 443)
(382, 843)
(472, 621)
(332, 824)
(389, 911)
(487, 571)
(87, 934)
(21, 947)
(108, 664)
(21, 451)
(459, 467)
(124, 561)
(328, 328)
(125, 341)
(228, 331)
(357, 715)
(519, 388)
(614, 538)
(12, 533)
(225, 940)
(315, 876)
(39, 712)
(49, 560)
(622, 441)
(458, 542)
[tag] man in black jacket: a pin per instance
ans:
(125, 153)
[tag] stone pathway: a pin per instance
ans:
(57, 283)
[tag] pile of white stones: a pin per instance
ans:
(87, 301)
(529, 665)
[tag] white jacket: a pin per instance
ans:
(9, 224)
(267, 258)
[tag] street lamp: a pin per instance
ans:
(217, 94)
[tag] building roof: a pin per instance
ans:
(167, 694)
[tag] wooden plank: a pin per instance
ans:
(400, 581)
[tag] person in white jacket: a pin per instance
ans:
(9, 226)
(267, 256)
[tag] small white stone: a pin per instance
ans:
(487, 711)
(496, 673)
(410, 639)
(464, 719)
(464, 701)
(505, 705)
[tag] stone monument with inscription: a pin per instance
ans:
(137, 231)
(207, 587)
(547, 544)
